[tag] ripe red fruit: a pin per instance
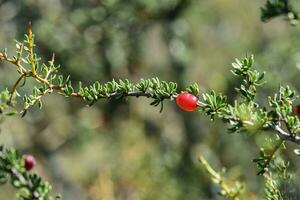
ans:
(187, 102)
(29, 162)
(296, 110)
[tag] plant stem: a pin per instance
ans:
(14, 89)
(31, 53)
(219, 180)
(286, 136)
(270, 157)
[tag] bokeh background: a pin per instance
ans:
(126, 149)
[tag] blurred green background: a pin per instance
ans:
(126, 149)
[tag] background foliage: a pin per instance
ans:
(127, 149)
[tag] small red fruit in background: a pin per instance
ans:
(296, 110)
(29, 162)
(187, 102)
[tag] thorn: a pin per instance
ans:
(53, 56)
(52, 59)
(30, 29)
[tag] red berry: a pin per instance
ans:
(296, 110)
(29, 162)
(187, 102)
